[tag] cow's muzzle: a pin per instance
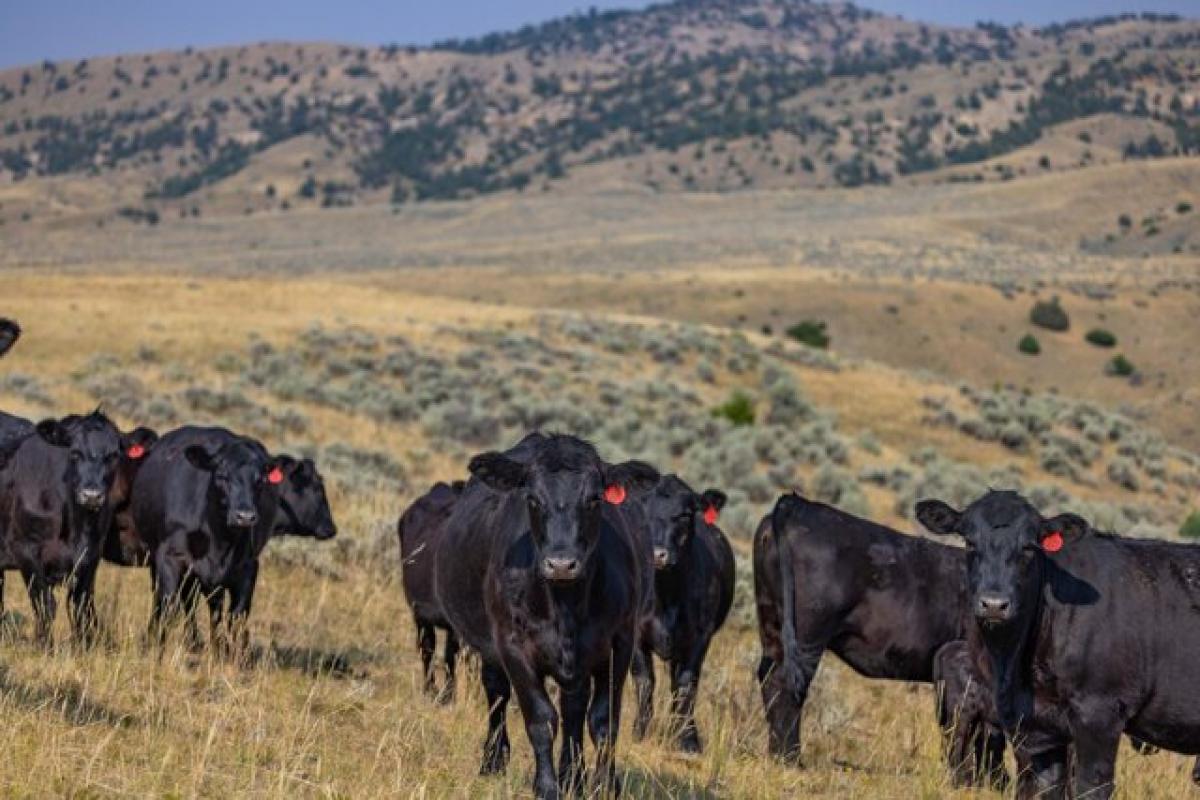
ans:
(993, 609)
(561, 570)
(90, 499)
(662, 558)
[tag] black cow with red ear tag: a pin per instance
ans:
(1084, 636)
(204, 512)
(537, 570)
(694, 576)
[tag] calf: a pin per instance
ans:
(420, 529)
(1081, 635)
(537, 572)
(883, 602)
(56, 508)
(693, 591)
(204, 513)
(10, 331)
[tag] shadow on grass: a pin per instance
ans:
(348, 663)
(67, 700)
(638, 782)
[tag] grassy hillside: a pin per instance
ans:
(718, 95)
(391, 389)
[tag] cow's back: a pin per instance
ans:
(889, 600)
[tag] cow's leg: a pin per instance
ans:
(1042, 775)
(81, 595)
(604, 717)
(218, 636)
(1097, 737)
(427, 646)
(496, 747)
(189, 599)
(241, 597)
(541, 721)
(685, 684)
(989, 757)
(784, 702)
(41, 597)
(573, 709)
(167, 578)
(643, 679)
(450, 656)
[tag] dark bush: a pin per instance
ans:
(811, 333)
(1121, 366)
(1190, 529)
(738, 409)
(1029, 345)
(1101, 337)
(1050, 315)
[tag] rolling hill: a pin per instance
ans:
(708, 96)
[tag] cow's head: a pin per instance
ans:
(95, 450)
(244, 478)
(565, 487)
(1007, 544)
(303, 505)
(10, 331)
(673, 512)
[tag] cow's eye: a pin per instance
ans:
(535, 504)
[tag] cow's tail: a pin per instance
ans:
(785, 507)
(10, 331)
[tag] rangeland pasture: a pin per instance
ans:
(370, 380)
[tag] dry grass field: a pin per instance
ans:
(325, 363)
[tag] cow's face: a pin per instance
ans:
(1007, 540)
(564, 504)
(95, 449)
(303, 503)
(241, 475)
(673, 511)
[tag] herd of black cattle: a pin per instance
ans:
(550, 563)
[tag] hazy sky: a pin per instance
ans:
(31, 30)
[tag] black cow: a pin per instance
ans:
(883, 602)
(420, 530)
(10, 331)
(693, 591)
(56, 508)
(204, 512)
(537, 572)
(1082, 636)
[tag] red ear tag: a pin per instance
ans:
(135, 451)
(710, 515)
(1052, 542)
(615, 494)
(275, 476)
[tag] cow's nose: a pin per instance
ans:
(90, 498)
(560, 569)
(662, 557)
(245, 519)
(993, 607)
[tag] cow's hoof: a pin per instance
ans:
(495, 760)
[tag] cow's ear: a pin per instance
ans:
(1063, 530)
(9, 333)
(200, 458)
(498, 471)
(281, 467)
(137, 443)
(54, 432)
(633, 476)
(938, 517)
(713, 498)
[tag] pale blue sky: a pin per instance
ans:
(31, 30)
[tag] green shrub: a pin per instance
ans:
(1101, 337)
(738, 409)
(1029, 345)
(811, 333)
(1120, 366)
(1183, 208)
(1190, 529)
(1050, 315)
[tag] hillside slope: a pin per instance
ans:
(714, 95)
